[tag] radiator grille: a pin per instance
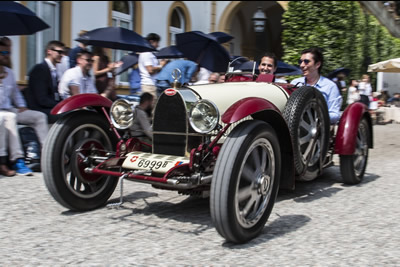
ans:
(170, 116)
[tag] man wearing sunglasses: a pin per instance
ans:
(42, 93)
(311, 62)
(78, 80)
(268, 65)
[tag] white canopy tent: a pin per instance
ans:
(391, 65)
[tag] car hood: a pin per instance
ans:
(226, 94)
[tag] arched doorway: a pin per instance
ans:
(236, 20)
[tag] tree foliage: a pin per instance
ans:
(348, 36)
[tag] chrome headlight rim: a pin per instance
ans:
(193, 123)
(128, 106)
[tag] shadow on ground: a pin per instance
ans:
(195, 212)
(277, 228)
(327, 185)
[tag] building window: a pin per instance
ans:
(177, 24)
(49, 11)
(122, 16)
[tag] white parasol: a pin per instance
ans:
(391, 65)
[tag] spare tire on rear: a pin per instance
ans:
(306, 114)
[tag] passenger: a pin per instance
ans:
(311, 63)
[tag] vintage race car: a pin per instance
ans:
(238, 142)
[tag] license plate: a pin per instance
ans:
(154, 162)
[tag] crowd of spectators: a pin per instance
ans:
(67, 72)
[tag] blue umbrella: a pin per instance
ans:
(248, 66)
(127, 62)
(204, 49)
(116, 38)
(334, 73)
(236, 61)
(285, 69)
(16, 19)
(222, 37)
(169, 52)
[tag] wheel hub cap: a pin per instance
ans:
(262, 185)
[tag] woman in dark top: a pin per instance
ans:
(103, 71)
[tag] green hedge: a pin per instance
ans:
(349, 37)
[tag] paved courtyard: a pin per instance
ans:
(321, 223)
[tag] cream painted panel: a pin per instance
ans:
(225, 94)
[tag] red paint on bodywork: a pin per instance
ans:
(80, 101)
(240, 78)
(346, 134)
(245, 107)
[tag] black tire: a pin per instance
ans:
(246, 177)
(63, 168)
(352, 167)
(306, 114)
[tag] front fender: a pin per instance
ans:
(261, 109)
(80, 101)
(346, 134)
(245, 107)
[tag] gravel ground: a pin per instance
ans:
(321, 223)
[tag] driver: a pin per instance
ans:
(311, 62)
(268, 65)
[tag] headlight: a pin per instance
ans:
(204, 116)
(122, 114)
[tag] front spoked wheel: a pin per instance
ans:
(352, 167)
(245, 181)
(72, 144)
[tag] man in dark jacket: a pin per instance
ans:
(42, 93)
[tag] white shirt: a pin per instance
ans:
(147, 59)
(279, 80)
(62, 66)
(352, 95)
(53, 71)
(365, 89)
(202, 76)
(75, 77)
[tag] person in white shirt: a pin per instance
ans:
(365, 90)
(78, 80)
(202, 76)
(353, 94)
(64, 64)
(149, 67)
